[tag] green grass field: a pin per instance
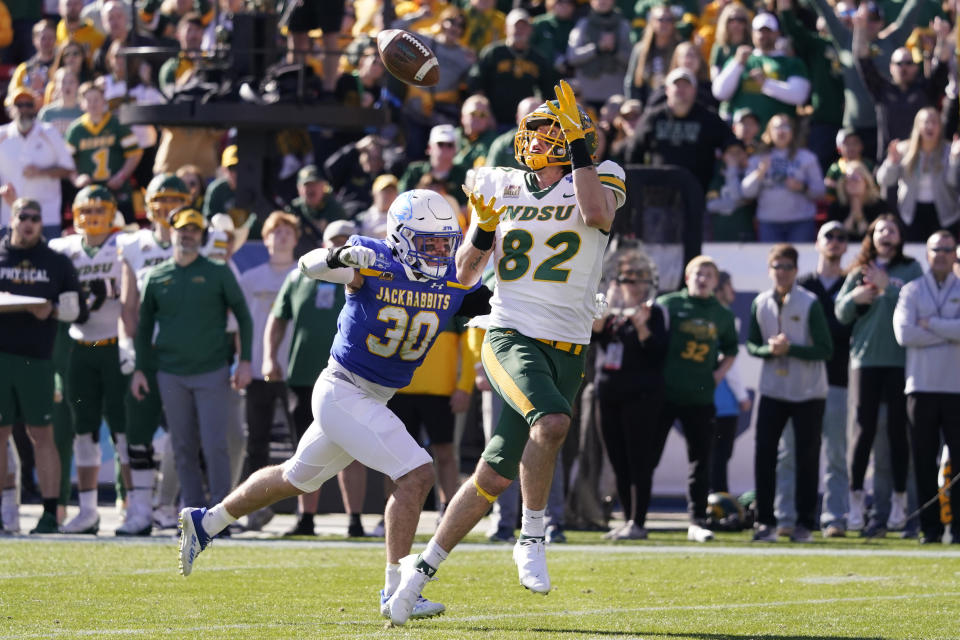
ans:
(728, 589)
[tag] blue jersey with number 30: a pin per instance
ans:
(386, 328)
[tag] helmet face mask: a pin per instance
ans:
(93, 210)
(424, 231)
(165, 193)
(552, 148)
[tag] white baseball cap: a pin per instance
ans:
(765, 21)
(681, 73)
(443, 133)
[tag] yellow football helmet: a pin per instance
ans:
(93, 210)
(556, 152)
(165, 193)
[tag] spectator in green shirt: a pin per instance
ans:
(315, 206)
(477, 133)
(762, 78)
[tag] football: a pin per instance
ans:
(408, 58)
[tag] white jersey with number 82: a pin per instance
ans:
(547, 260)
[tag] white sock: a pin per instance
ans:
(88, 500)
(216, 519)
(391, 579)
(531, 523)
(433, 555)
(9, 497)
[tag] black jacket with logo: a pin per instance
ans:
(40, 272)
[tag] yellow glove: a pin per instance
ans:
(568, 113)
(487, 217)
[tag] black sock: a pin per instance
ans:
(306, 519)
(355, 520)
(50, 506)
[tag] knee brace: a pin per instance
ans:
(86, 450)
(140, 456)
(120, 444)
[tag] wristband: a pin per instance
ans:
(579, 155)
(333, 258)
(482, 240)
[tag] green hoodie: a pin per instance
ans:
(873, 343)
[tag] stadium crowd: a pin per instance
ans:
(802, 122)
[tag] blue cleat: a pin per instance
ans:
(193, 539)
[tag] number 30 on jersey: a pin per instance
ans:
(404, 333)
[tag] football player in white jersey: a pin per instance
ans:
(94, 385)
(547, 239)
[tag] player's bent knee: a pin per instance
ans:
(489, 480)
(305, 478)
(551, 427)
(419, 479)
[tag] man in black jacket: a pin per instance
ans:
(681, 132)
(29, 268)
(825, 283)
(898, 100)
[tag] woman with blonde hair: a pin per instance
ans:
(71, 55)
(687, 55)
(650, 57)
(926, 172)
(859, 201)
(733, 30)
(786, 182)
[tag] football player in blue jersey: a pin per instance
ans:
(400, 292)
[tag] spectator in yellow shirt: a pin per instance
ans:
(73, 27)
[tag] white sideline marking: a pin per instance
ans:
(494, 616)
(711, 548)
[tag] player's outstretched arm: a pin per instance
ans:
(472, 256)
(597, 204)
(341, 265)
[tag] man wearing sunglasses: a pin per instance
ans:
(33, 159)
(909, 89)
(28, 267)
(825, 283)
(927, 323)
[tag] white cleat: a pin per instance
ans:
(136, 523)
(403, 602)
(897, 519)
(165, 517)
(85, 522)
(530, 556)
(858, 503)
(696, 533)
(423, 608)
(193, 539)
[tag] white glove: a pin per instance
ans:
(128, 356)
(68, 306)
(600, 306)
(358, 257)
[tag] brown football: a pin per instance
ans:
(408, 58)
